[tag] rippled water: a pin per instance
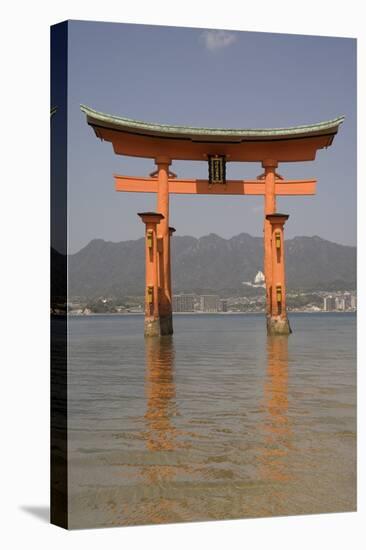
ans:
(216, 422)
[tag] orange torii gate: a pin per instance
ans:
(163, 144)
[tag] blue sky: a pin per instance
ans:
(208, 78)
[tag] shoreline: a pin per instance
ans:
(136, 314)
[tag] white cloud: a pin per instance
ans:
(216, 40)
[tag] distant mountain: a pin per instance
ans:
(209, 264)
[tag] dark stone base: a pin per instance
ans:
(159, 327)
(152, 327)
(166, 325)
(278, 325)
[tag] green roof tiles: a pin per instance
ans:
(121, 123)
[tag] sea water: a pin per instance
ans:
(218, 421)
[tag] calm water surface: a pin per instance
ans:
(216, 422)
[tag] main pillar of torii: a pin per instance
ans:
(164, 143)
(274, 255)
(164, 234)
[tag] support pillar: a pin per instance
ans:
(165, 298)
(152, 314)
(269, 208)
(277, 321)
(171, 231)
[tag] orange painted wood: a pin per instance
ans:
(278, 269)
(165, 299)
(283, 150)
(151, 220)
(269, 208)
(202, 187)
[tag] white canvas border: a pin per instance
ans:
(24, 273)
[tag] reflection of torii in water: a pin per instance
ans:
(160, 393)
(161, 433)
(273, 460)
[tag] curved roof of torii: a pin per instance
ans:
(138, 138)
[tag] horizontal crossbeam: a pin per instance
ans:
(202, 187)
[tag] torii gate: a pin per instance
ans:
(163, 144)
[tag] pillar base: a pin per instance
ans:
(166, 325)
(278, 325)
(152, 327)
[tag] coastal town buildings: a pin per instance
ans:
(183, 303)
(209, 303)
